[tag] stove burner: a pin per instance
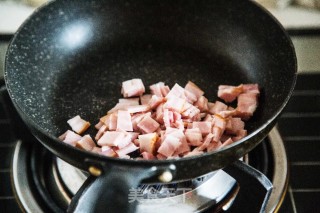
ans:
(44, 183)
(187, 196)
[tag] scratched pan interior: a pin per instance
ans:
(70, 58)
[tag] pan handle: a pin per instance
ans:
(255, 188)
(113, 191)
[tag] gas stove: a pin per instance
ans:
(33, 180)
(38, 181)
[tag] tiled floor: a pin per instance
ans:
(300, 129)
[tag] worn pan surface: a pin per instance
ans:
(70, 58)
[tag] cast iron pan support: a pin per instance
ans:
(114, 188)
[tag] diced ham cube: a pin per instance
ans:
(101, 131)
(155, 101)
(206, 142)
(194, 136)
(148, 125)
(169, 146)
(138, 108)
(108, 151)
(124, 121)
(129, 101)
(229, 93)
(176, 92)
(144, 99)
(247, 104)
(227, 142)
(234, 125)
(133, 87)
(136, 118)
(214, 146)
(70, 137)
(147, 142)
(111, 138)
(86, 143)
(159, 89)
(251, 88)
(148, 156)
(217, 107)
(190, 97)
(204, 126)
(193, 88)
(78, 125)
(202, 104)
(194, 152)
(240, 134)
(126, 150)
(175, 104)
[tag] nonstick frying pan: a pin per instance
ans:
(70, 58)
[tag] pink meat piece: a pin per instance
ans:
(147, 156)
(123, 152)
(86, 143)
(194, 136)
(190, 111)
(206, 142)
(227, 142)
(70, 137)
(136, 118)
(111, 121)
(148, 125)
(202, 104)
(99, 125)
(124, 121)
(101, 131)
(214, 146)
(240, 134)
(144, 99)
(159, 114)
(138, 108)
(217, 133)
(227, 113)
(168, 117)
(217, 107)
(119, 106)
(229, 93)
(220, 122)
(193, 88)
(111, 138)
(147, 142)
(204, 126)
(125, 141)
(190, 97)
(159, 89)
(184, 147)
(155, 101)
(108, 151)
(78, 125)
(176, 92)
(161, 157)
(129, 101)
(133, 87)
(194, 152)
(96, 149)
(175, 104)
(246, 105)
(234, 125)
(251, 88)
(208, 117)
(169, 145)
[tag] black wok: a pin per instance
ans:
(70, 58)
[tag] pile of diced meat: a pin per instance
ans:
(167, 123)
